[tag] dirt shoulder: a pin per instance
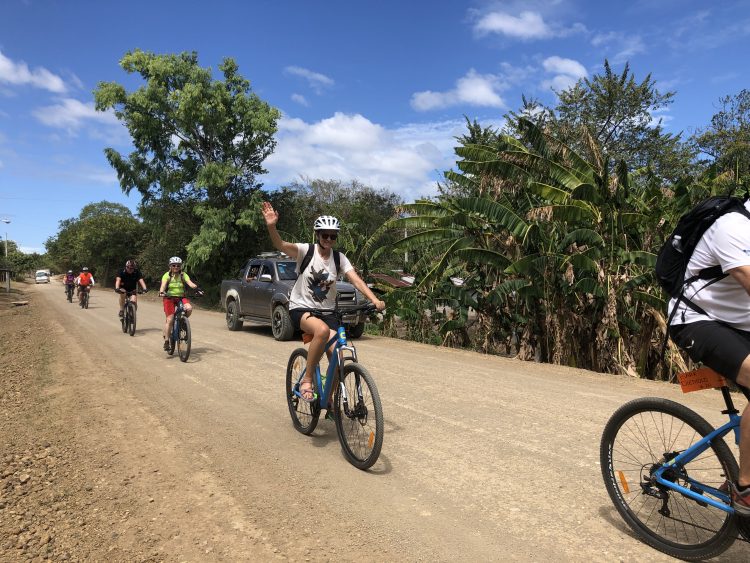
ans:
(83, 477)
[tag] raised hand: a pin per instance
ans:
(270, 214)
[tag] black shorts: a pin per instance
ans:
(297, 314)
(716, 345)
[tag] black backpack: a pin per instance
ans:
(309, 256)
(673, 257)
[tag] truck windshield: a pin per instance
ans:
(286, 270)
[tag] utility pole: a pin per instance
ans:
(6, 221)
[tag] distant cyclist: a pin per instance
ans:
(69, 281)
(84, 281)
(173, 290)
(128, 279)
(315, 288)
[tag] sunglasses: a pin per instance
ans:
(329, 236)
(175, 266)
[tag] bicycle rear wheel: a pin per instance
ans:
(130, 313)
(183, 342)
(359, 416)
(124, 321)
(304, 415)
(641, 437)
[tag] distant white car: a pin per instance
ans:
(42, 277)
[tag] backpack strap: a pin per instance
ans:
(309, 256)
(306, 260)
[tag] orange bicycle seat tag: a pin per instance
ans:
(306, 338)
(699, 379)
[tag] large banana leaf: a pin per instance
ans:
(549, 193)
(646, 259)
(483, 256)
(576, 211)
(581, 237)
(495, 213)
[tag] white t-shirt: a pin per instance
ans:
(727, 243)
(315, 288)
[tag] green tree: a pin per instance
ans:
(102, 237)
(199, 145)
(618, 115)
(726, 141)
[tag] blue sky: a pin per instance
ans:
(373, 91)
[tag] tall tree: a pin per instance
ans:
(726, 142)
(102, 237)
(199, 143)
(619, 116)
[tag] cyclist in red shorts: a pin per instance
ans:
(173, 290)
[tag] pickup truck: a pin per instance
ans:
(261, 294)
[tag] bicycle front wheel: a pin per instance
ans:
(183, 341)
(130, 312)
(641, 437)
(86, 300)
(304, 415)
(359, 416)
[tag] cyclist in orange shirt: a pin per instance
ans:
(84, 281)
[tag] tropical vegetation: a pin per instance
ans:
(540, 242)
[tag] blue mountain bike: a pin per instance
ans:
(355, 405)
(667, 472)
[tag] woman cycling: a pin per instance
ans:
(315, 288)
(173, 290)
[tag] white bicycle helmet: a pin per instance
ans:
(326, 222)
(175, 260)
(85, 269)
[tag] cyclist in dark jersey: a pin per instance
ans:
(128, 279)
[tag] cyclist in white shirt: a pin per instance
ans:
(315, 288)
(720, 338)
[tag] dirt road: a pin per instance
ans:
(129, 454)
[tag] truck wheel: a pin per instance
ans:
(281, 324)
(355, 331)
(233, 315)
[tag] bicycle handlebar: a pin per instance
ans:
(367, 308)
(139, 291)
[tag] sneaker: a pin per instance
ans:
(740, 500)
(166, 345)
(121, 314)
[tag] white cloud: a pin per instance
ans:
(344, 147)
(527, 25)
(315, 80)
(300, 99)
(617, 46)
(567, 73)
(71, 114)
(19, 74)
(473, 89)
(560, 65)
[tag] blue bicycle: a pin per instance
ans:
(667, 472)
(355, 407)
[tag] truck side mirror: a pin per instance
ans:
(266, 278)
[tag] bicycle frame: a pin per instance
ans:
(341, 354)
(697, 449)
(179, 310)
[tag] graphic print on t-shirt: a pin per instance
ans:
(320, 284)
